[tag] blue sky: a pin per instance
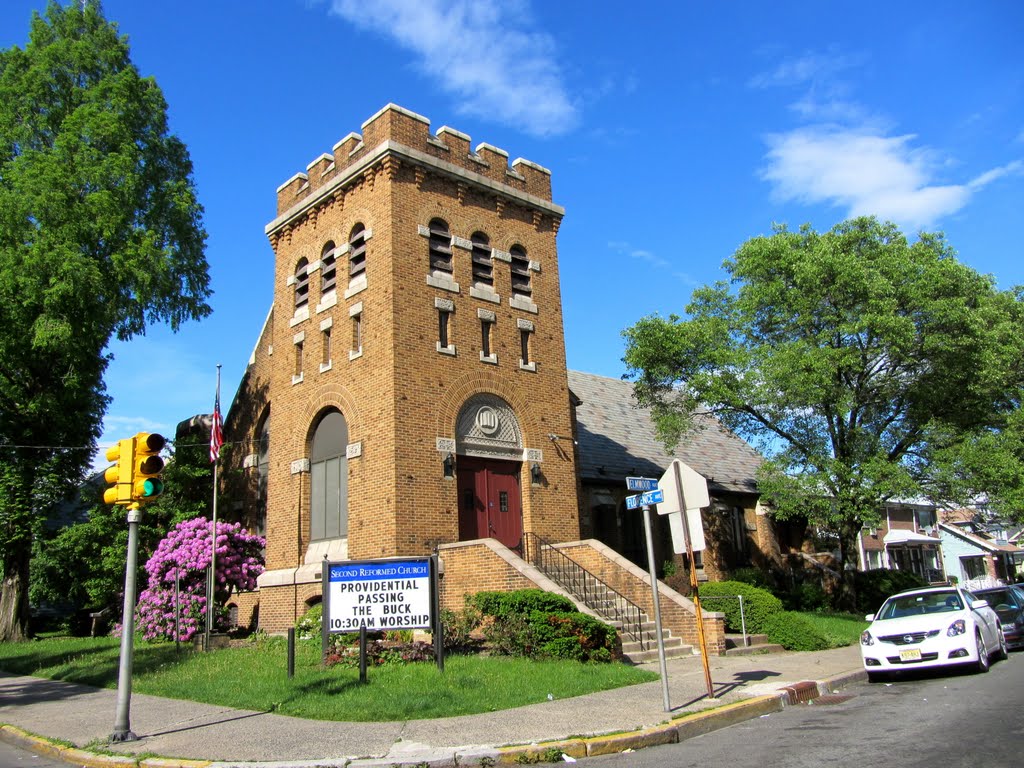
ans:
(674, 131)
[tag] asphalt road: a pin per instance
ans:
(931, 720)
(12, 757)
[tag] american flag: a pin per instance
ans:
(216, 433)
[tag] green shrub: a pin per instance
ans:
(808, 596)
(520, 601)
(309, 624)
(457, 628)
(874, 586)
(555, 630)
(795, 632)
(758, 604)
(755, 577)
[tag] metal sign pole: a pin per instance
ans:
(122, 725)
(657, 608)
(695, 590)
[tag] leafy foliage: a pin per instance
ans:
(758, 604)
(520, 602)
(539, 625)
(83, 563)
(795, 632)
(874, 586)
(852, 358)
(100, 235)
(185, 556)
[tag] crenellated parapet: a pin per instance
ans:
(395, 138)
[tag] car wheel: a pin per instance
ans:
(877, 677)
(1004, 652)
(983, 660)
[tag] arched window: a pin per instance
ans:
(357, 252)
(521, 285)
(262, 474)
(301, 283)
(328, 475)
(483, 264)
(440, 247)
(328, 267)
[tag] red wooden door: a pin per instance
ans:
(490, 505)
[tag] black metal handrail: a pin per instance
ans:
(582, 584)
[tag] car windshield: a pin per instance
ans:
(920, 603)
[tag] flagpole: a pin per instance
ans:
(215, 443)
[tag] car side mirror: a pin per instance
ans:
(869, 617)
(979, 604)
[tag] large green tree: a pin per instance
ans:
(100, 235)
(850, 357)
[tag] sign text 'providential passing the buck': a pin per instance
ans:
(378, 595)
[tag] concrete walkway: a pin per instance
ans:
(37, 711)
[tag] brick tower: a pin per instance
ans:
(409, 387)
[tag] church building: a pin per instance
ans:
(408, 393)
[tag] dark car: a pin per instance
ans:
(1008, 602)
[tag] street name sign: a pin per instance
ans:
(644, 499)
(641, 484)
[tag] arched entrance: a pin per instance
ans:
(490, 451)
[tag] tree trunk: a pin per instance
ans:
(14, 599)
(849, 532)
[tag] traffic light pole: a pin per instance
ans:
(122, 726)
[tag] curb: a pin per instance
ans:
(677, 729)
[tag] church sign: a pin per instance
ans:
(378, 595)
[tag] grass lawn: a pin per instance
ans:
(841, 628)
(254, 676)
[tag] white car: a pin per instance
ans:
(935, 627)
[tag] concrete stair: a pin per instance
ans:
(598, 598)
(756, 644)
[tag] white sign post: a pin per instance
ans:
(686, 493)
(378, 596)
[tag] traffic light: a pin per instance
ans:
(120, 475)
(147, 465)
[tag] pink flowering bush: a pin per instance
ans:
(185, 553)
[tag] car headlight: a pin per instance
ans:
(958, 627)
(866, 638)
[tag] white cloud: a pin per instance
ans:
(654, 260)
(867, 173)
(482, 52)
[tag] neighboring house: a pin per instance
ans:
(978, 553)
(617, 440)
(906, 539)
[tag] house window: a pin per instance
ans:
(444, 319)
(328, 267)
(357, 252)
(483, 262)
(357, 334)
(325, 360)
(521, 281)
(440, 247)
(328, 479)
(302, 283)
(297, 371)
(487, 321)
(526, 362)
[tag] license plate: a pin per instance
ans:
(911, 654)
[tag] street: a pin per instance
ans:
(12, 757)
(954, 720)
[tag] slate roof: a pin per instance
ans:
(617, 439)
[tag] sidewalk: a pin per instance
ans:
(185, 730)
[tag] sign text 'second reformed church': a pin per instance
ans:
(381, 595)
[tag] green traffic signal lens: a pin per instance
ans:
(152, 487)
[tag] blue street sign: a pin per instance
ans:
(644, 499)
(641, 484)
